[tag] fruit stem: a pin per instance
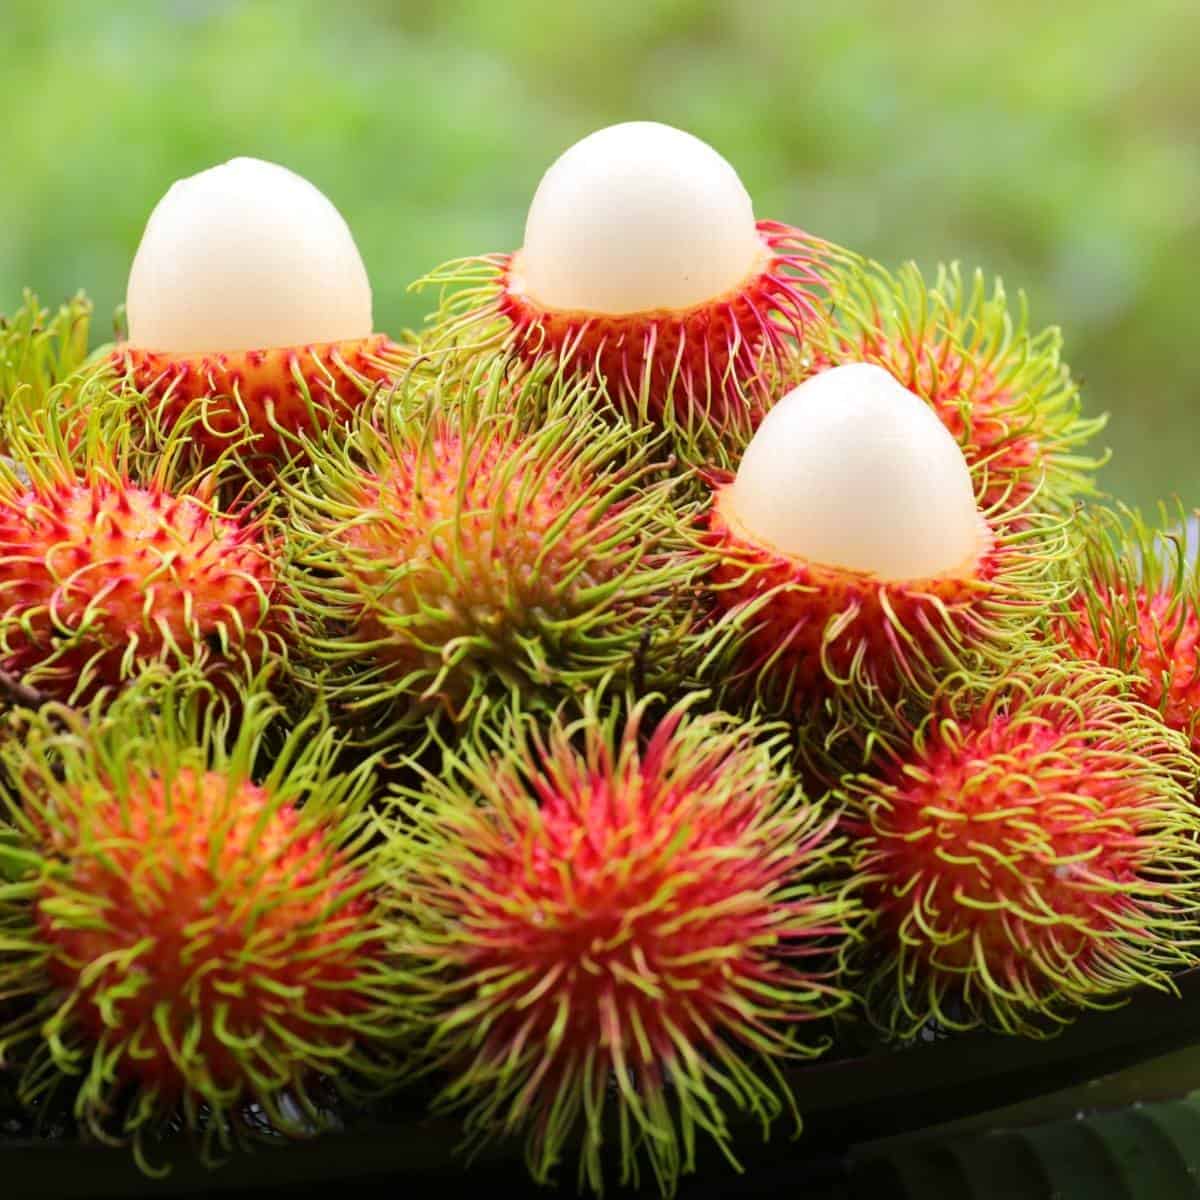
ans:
(19, 693)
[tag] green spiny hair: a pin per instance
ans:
(618, 929)
(42, 359)
(1001, 389)
(484, 536)
(1138, 607)
(112, 556)
(190, 932)
(1028, 856)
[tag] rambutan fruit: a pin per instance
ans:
(248, 300)
(1138, 610)
(42, 356)
(643, 266)
(103, 571)
(618, 929)
(852, 565)
(188, 941)
(1029, 854)
(450, 550)
(1002, 391)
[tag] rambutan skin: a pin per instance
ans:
(1138, 610)
(803, 635)
(610, 917)
(1162, 646)
(1029, 854)
(175, 918)
(1002, 391)
(99, 576)
(45, 376)
(698, 369)
(454, 548)
(263, 401)
(191, 940)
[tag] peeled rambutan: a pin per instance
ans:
(852, 565)
(1138, 610)
(195, 943)
(1002, 391)
(1031, 853)
(102, 573)
(643, 266)
(450, 549)
(249, 305)
(614, 928)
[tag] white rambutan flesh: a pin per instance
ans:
(246, 256)
(850, 469)
(634, 218)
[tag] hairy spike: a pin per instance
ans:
(111, 559)
(1029, 854)
(1138, 609)
(468, 543)
(199, 942)
(612, 921)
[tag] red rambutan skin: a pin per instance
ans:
(936, 826)
(703, 362)
(622, 927)
(814, 625)
(1021, 864)
(1152, 634)
(631, 850)
(226, 913)
(272, 394)
(99, 575)
(494, 541)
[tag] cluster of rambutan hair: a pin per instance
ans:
(696, 651)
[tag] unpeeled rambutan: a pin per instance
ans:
(478, 540)
(852, 566)
(42, 354)
(1029, 854)
(643, 268)
(187, 941)
(250, 312)
(1002, 391)
(614, 929)
(1138, 610)
(103, 571)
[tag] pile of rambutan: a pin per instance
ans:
(696, 651)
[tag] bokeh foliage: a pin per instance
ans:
(1056, 144)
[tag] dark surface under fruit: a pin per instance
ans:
(846, 1103)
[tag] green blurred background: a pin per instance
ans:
(1057, 145)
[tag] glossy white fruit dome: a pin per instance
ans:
(246, 256)
(850, 469)
(637, 217)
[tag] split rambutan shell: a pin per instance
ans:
(602, 921)
(1031, 855)
(1002, 391)
(805, 633)
(99, 577)
(703, 367)
(447, 553)
(261, 401)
